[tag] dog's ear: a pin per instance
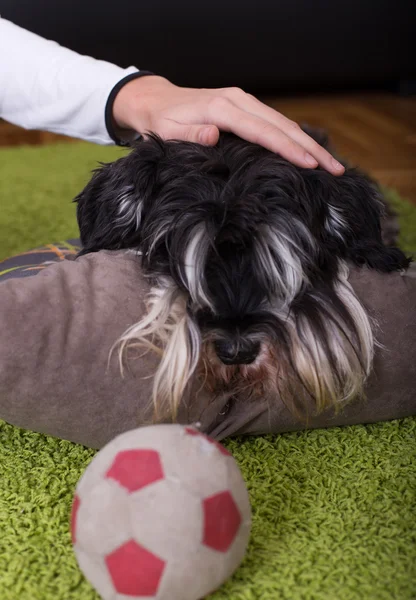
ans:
(109, 209)
(354, 210)
(355, 213)
(99, 207)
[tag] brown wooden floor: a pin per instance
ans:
(376, 132)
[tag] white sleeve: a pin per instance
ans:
(45, 86)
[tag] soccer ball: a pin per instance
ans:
(161, 512)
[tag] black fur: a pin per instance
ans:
(233, 191)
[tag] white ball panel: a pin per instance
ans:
(103, 518)
(193, 580)
(236, 552)
(198, 463)
(167, 519)
(239, 490)
(95, 570)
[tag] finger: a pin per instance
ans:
(228, 117)
(324, 158)
(290, 128)
(202, 134)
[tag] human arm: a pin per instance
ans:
(48, 87)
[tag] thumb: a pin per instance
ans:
(201, 134)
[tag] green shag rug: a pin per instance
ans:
(334, 511)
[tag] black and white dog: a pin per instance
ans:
(248, 257)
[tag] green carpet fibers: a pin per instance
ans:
(334, 511)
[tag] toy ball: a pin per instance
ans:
(161, 512)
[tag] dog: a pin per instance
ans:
(248, 256)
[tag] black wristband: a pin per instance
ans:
(108, 113)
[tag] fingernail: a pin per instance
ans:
(205, 135)
(310, 160)
(337, 166)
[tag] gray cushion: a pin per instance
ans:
(57, 328)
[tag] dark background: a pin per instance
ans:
(263, 46)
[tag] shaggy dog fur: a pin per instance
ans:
(248, 256)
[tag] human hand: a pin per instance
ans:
(152, 103)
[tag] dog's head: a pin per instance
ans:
(247, 254)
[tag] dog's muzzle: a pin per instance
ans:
(236, 352)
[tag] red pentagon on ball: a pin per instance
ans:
(222, 520)
(221, 448)
(134, 469)
(74, 513)
(134, 570)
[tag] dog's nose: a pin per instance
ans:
(231, 353)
